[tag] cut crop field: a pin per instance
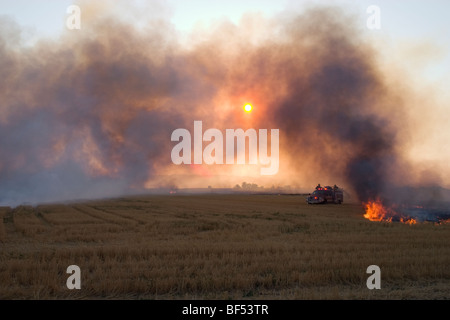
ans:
(217, 247)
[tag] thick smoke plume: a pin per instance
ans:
(90, 114)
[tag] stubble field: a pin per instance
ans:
(217, 247)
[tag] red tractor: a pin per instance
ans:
(326, 195)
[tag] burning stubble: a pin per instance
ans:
(91, 114)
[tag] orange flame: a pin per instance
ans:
(408, 220)
(375, 211)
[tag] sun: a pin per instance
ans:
(248, 108)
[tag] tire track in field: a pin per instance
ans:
(8, 219)
(11, 231)
(119, 215)
(4, 215)
(41, 218)
(102, 215)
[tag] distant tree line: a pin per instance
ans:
(254, 187)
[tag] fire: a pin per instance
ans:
(408, 220)
(375, 211)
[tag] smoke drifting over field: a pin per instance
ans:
(91, 113)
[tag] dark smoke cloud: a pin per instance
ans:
(84, 118)
(330, 111)
(91, 114)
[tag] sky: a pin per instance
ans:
(409, 18)
(401, 19)
(405, 20)
(202, 56)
